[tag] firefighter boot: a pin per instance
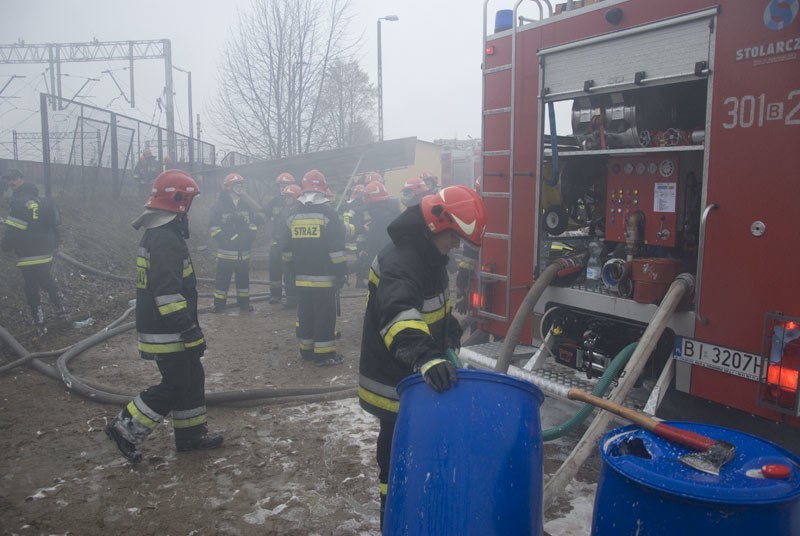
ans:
(58, 305)
(126, 434)
(202, 441)
(37, 313)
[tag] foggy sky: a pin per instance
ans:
(431, 58)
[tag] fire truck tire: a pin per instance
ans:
(555, 220)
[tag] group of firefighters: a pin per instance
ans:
(401, 257)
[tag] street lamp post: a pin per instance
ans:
(380, 75)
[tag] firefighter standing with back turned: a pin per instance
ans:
(314, 245)
(354, 230)
(378, 212)
(32, 233)
(167, 328)
(146, 170)
(289, 194)
(408, 324)
(273, 210)
(233, 224)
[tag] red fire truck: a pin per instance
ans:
(680, 153)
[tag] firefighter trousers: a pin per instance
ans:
(275, 272)
(226, 268)
(384, 456)
(316, 317)
(181, 391)
(38, 277)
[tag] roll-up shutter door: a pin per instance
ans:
(669, 51)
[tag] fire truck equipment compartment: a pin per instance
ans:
(644, 488)
(467, 461)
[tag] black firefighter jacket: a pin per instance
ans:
(166, 294)
(234, 227)
(313, 242)
(408, 320)
(376, 218)
(31, 227)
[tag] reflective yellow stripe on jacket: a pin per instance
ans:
(16, 223)
(170, 303)
(164, 343)
(314, 281)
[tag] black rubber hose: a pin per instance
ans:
(105, 394)
(109, 275)
(110, 395)
(18, 349)
(90, 269)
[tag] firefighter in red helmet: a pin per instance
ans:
(233, 223)
(430, 178)
(273, 209)
(408, 324)
(289, 194)
(314, 248)
(167, 326)
(372, 176)
(352, 218)
(379, 211)
(32, 234)
(414, 189)
(145, 171)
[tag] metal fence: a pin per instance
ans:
(89, 149)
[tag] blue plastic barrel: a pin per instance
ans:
(503, 20)
(645, 489)
(468, 460)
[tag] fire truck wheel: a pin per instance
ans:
(556, 220)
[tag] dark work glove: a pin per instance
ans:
(440, 374)
(461, 303)
(193, 339)
(462, 280)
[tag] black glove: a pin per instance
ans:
(461, 305)
(462, 279)
(440, 374)
(193, 338)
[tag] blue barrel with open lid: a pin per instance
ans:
(644, 488)
(468, 460)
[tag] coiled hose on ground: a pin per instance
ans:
(110, 395)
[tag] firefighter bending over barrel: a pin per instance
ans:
(408, 324)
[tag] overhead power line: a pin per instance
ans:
(55, 54)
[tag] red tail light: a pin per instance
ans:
(781, 358)
(476, 301)
(782, 377)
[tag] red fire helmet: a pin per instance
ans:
(173, 191)
(458, 208)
